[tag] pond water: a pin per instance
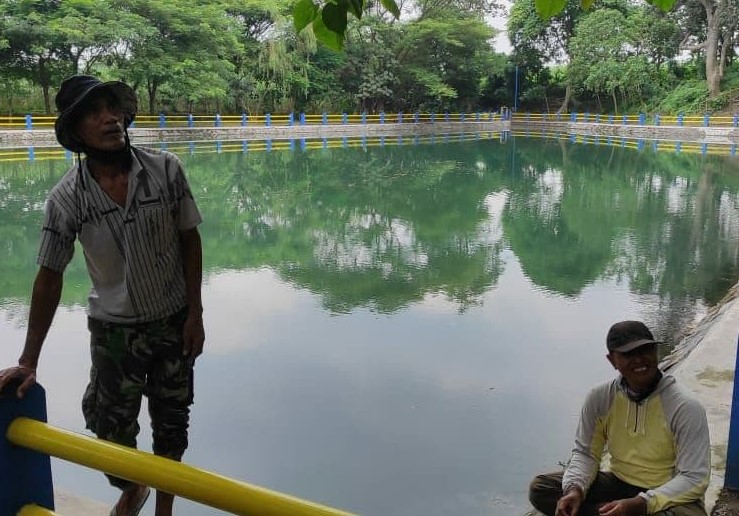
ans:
(403, 330)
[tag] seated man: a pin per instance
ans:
(656, 434)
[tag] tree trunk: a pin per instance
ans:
(713, 67)
(615, 102)
(566, 101)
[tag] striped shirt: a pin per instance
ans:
(133, 252)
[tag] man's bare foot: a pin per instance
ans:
(131, 501)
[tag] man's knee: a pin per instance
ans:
(544, 492)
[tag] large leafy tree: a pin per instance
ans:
(711, 28)
(44, 41)
(184, 49)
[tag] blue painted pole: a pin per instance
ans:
(515, 92)
(29, 122)
(162, 120)
(190, 120)
(731, 480)
(382, 117)
(25, 475)
(302, 118)
(191, 147)
(678, 147)
(400, 117)
(291, 119)
(218, 120)
(324, 118)
(680, 117)
(364, 118)
(244, 120)
(344, 118)
(642, 118)
(736, 120)
(268, 122)
(706, 120)
(31, 154)
(656, 119)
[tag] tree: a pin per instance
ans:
(46, 41)
(711, 27)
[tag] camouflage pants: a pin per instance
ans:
(128, 362)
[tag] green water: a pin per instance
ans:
(404, 330)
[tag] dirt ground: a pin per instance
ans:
(727, 503)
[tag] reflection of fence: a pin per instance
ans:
(27, 442)
(162, 121)
(658, 120)
(294, 144)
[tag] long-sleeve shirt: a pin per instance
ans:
(660, 444)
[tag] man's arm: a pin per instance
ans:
(193, 332)
(47, 291)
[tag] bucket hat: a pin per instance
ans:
(626, 336)
(72, 95)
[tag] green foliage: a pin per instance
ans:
(687, 97)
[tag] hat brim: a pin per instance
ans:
(124, 94)
(635, 344)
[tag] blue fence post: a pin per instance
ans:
(477, 116)
(461, 117)
(400, 117)
(190, 120)
(291, 119)
(731, 480)
(302, 118)
(218, 120)
(162, 120)
(25, 475)
(324, 118)
(573, 117)
(364, 118)
(733, 150)
(302, 144)
(244, 120)
(433, 118)
(382, 117)
(706, 120)
(344, 118)
(678, 147)
(736, 120)
(415, 117)
(29, 122)
(269, 144)
(585, 116)
(680, 117)
(642, 119)
(446, 116)
(191, 148)
(268, 123)
(623, 120)
(31, 154)
(610, 119)
(656, 119)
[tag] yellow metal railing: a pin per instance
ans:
(35, 510)
(167, 475)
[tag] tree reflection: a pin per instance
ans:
(384, 227)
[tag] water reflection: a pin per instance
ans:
(390, 328)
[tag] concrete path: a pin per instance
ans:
(66, 504)
(708, 371)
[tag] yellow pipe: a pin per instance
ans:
(35, 510)
(170, 476)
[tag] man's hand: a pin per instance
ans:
(26, 376)
(569, 504)
(636, 506)
(193, 335)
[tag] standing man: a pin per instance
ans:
(134, 214)
(656, 434)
